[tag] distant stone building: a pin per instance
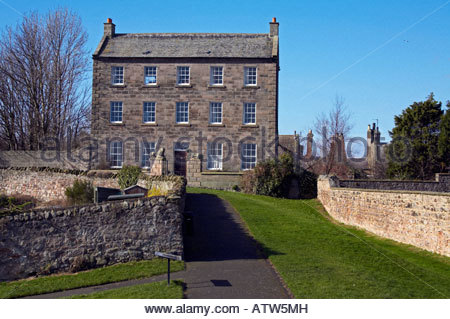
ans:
(375, 148)
(290, 144)
(372, 164)
(213, 94)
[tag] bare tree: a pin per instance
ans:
(43, 66)
(331, 130)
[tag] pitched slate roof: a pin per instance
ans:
(188, 45)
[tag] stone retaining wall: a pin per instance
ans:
(49, 185)
(419, 219)
(45, 186)
(59, 240)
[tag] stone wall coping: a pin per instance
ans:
(387, 180)
(395, 180)
(75, 172)
(89, 173)
(389, 191)
(75, 208)
(45, 169)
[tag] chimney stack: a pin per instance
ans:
(274, 27)
(309, 144)
(377, 136)
(109, 28)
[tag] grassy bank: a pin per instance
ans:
(99, 276)
(156, 290)
(319, 258)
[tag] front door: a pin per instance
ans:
(180, 163)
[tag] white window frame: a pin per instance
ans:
(114, 155)
(248, 159)
(117, 75)
(151, 113)
(213, 76)
(147, 148)
(182, 75)
(115, 111)
(146, 68)
(248, 78)
(182, 113)
(213, 112)
(215, 156)
(248, 115)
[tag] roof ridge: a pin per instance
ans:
(195, 34)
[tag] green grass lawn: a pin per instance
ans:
(320, 258)
(156, 290)
(115, 273)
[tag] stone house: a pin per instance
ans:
(207, 97)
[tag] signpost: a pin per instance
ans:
(168, 257)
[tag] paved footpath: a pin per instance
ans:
(222, 259)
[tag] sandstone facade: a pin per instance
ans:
(232, 52)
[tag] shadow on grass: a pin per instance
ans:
(218, 233)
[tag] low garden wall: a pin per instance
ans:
(70, 239)
(47, 185)
(418, 218)
(196, 177)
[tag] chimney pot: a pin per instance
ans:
(274, 27)
(109, 28)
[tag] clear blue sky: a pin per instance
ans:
(320, 41)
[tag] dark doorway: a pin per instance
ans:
(180, 163)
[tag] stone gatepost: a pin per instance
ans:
(194, 170)
(159, 167)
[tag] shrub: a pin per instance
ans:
(128, 176)
(275, 178)
(16, 203)
(236, 188)
(3, 201)
(81, 192)
(308, 184)
(271, 177)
